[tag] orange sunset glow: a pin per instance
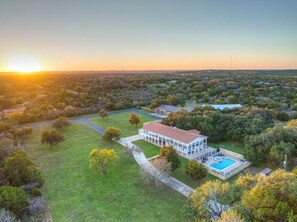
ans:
(150, 35)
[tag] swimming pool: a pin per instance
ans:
(225, 162)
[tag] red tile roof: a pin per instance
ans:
(174, 133)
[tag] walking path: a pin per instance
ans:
(146, 165)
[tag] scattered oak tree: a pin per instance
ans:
(112, 133)
(134, 119)
(273, 198)
(103, 113)
(207, 198)
(195, 170)
(51, 137)
(171, 156)
(60, 123)
(101, 158)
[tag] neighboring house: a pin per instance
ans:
(8, 111)
(190, 144)
(224, 106)
(165, 110)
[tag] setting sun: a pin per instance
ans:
(24, 63)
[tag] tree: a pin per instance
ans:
(18, 170)
(195, 170)
(51, 137)
(206, 199)
(229, 216)
(292, 123)
(153, 177)
(103, 113)
(282, 116)
(101, 158)
(277, 142)
(246, 182)
(13, 199)
(157, 102)
(19, 136)
(134, 119)
(112, 133)
(6, 148)
(162, 165)
(60, 123)
(273, 198)
(171, 156)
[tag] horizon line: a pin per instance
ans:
(150, 70)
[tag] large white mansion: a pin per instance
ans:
(190, 144)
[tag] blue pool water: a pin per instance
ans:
(223, 164)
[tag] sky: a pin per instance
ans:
(149, 34)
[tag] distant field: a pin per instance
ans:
(74, 193)
(121, 120)
(148, 149)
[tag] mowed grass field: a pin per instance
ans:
(75, 193)
(121, 120)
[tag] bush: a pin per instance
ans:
(14, 199)
(195, 170)
(36, 192)
(19, 170)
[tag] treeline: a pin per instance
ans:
(20, 178)
(249, 198)
(51, 96)
(233, 124)
(276, 144)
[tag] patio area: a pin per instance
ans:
(224, 163)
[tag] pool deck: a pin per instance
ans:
(228, 171)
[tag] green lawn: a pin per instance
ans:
(180, 174)
(149, 149)
(121, 120)
(229, 145)
(75, 193)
